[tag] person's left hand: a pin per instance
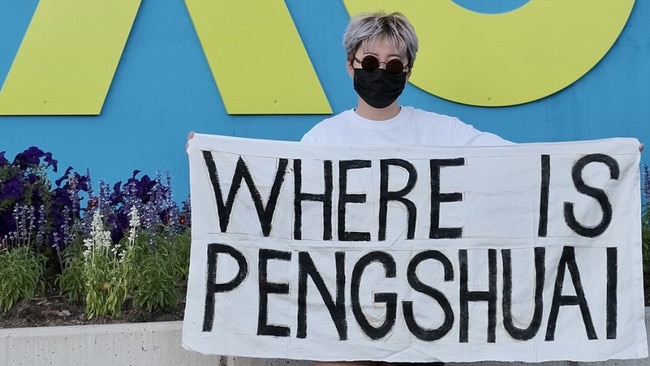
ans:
(191, 135)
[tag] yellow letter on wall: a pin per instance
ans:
(68, 57)
(257, 58)
(506, 59)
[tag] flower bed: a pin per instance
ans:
(123, 248)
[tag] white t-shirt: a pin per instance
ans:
(410, 127)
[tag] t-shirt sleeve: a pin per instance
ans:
(467, 135)
(310, 137)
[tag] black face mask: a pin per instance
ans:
(379, 88)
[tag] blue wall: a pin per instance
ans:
(163, 89)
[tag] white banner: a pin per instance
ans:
(529, 252)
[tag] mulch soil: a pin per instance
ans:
(55, 310)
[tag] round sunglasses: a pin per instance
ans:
(371, 63)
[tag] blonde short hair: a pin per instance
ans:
(369, 27)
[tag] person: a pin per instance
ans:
(381, 50)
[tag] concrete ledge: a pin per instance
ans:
(112, 344)
(147, 344)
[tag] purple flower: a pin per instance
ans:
(3, 160)
(7, 223)
(139, 189)
(29, 158)
(32, 178)
(115, 198)
(50, 162)
(12, 189)
(119, 225)
(83, 182)
(64, 177)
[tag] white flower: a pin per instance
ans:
(88, 244)
(99, 238)
(135, 219)
(134, 223)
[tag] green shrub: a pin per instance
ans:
(162, 267)
(71, 282)
(21, 271)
